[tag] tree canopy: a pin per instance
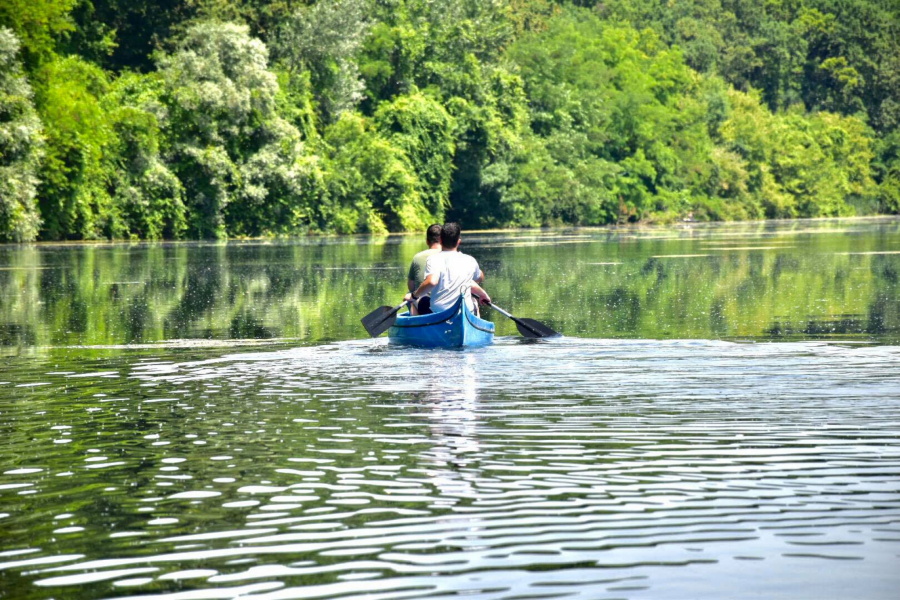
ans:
(218, 118)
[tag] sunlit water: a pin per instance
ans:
(167, 459)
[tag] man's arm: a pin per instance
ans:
(479, 291)
(411, 277)
(427, 284)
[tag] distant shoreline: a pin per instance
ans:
(680, 225)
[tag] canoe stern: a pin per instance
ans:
(453, 328)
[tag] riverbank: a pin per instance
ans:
(763, 281)
(319, 238)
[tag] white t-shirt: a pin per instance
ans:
(456, 272)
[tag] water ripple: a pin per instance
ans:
(568, 468)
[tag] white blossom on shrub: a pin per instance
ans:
(324, 39)
(231, 150)
(21, 147)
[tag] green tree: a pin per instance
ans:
(167, 119)
(20, 147)
(391, 55)
(372, 186)
(149, 198)
(323, 39)
(886, 167)
(798, 165)
(38, 24)
(241, 164)
(853, 63)
(622, 113)
(103, 175)
(74, 195)
(422, 130)
(836, 55)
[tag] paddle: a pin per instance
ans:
(380, 320)
(529, 328)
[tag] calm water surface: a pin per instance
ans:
(204, 421)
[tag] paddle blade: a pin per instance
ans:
(379, 320)
(534, 329)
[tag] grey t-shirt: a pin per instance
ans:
(417, 267)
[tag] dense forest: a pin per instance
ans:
(219, 118)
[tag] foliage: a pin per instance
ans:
(798, 166)
(423, 131)
(103, 175)
(322, 40)
(74, 198)
(621, 117)
(148, 195)
(170, 119)
(836, 55)
(243, 166)
(371, 183)
(20, 148)
(887, 171)
(38, 24)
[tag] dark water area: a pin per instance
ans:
(721, 420)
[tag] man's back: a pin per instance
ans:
(456, 272)
(417, 266)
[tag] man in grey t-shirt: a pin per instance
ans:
(417, 270)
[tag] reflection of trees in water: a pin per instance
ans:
(735, 294)
(614, 287)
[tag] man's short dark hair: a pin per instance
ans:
(433, 235)
(449, 235)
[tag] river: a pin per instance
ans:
(720, 419)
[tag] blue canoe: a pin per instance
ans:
(453, 328)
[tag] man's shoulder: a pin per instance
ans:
(421, 258)
(433, 258)
(425, 254)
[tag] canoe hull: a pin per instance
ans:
(455, 327)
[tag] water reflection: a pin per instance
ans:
(451, 411)
(567, 468)
(185, 421)
(796, 280)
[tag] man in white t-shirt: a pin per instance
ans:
(450, 273)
